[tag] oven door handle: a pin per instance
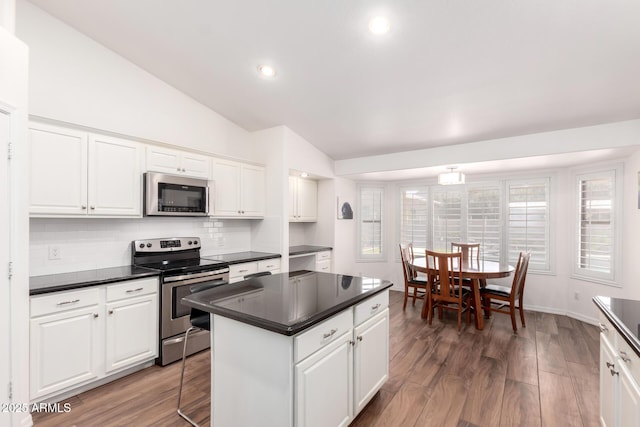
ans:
(203, 287)
(191, 278)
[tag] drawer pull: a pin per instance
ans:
(610, 365)
(270, 266)
(73, 301)
(375, 307)
(613, 372)
(603, 328)
(329, 334)
(624, 356)
(129, 291)
(242, 271)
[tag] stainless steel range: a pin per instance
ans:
(181, 269)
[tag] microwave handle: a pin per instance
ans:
(207, 210)
(210, 209)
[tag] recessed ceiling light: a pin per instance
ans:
(266, 71)
(379, 25)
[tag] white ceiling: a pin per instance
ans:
(448, 72)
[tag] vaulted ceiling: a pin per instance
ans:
(447, 72)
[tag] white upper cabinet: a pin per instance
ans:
(177, 162)
(238, 190)
(75, 173)
(303, 200)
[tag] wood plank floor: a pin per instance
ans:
(546, 375)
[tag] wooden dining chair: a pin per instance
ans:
(418, 285)
(470, 251)
(443, 272)
(506, 296)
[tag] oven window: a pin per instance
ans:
(177, 308)
(181, 198)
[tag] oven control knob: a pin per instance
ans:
(190, 242)
(141, 245)
(195, 242)
(148, 245)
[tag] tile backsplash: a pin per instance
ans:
(85, 244)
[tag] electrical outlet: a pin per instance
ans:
(54, 252)
(576, 295)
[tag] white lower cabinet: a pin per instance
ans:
(619, 377)
(371, 358)
(131, 326)
(342, 363)
(65, 348)
(80, 336)
(324, 384)
(324, 376)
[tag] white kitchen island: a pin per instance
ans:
(296, 349)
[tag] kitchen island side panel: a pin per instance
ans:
(251, 376)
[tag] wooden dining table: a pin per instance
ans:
(476, 270)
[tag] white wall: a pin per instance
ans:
(76, 80)
(268, 235)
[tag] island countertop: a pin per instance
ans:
(287, 303)
(624, 315)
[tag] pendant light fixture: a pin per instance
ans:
(451, 177)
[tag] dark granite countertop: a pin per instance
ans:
(307, 249)
(240, 257)
(624, 314)
(82, 279)
(287, 303)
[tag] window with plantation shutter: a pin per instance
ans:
(370, 242)
(414, 217)
(528, 222)
(446, 218)
(484, 220)
(595, 254)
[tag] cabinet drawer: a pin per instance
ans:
(371, 306)
(132, 288)
(241, 270)
(61, 301)
(323, 255)
(320, 335)
(269, 264)
(629, 358)
(607, 330)
(324, 266)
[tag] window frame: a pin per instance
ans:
(360, 257)
(616, 172)
(549, 266)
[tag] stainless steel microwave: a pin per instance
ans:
(173, 195)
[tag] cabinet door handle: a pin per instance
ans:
(375, 307)
(93, 208)
(134, 290)
(610, 365)
(613, 372)
(624, 356)
(329, 334)
(68, 302)
(242, 271)
(95, 315)
(184, 170)
(352, 342)
(83, 207)
(359, 337)
(110, 311)
(603, 327)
